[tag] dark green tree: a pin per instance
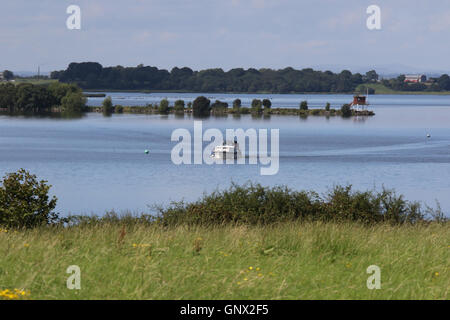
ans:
(444, 82)
(164, 106)
(73, 102)
(219, 107)
(304, 105)
(346, 110)
(179, 106)
(201, 106)
(237, 103)
(267, 103)
(256, 106)
(371, 76)
(8, 75)
(107, 106)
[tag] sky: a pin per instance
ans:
(200, 34)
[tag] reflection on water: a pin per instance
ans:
(98, 163)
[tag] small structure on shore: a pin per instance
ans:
(360, 101)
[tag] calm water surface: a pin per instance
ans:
(97, 164)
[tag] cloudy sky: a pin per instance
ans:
(326, 34)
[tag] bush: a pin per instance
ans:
(164, 106)
(219, 107)
(107, 106)
(179, 106)
(256, 106)
(73, 102)
(201, 106)
(118, 109)
(255, 204)
(24, 201)
(237, 104)
(346, 110)
(304, 105)
(327, 106)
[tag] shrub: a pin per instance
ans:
(164, 106)
(346, 110)
(107, 106)
(255, 204)
(24, 201)
(118, 109)
(73, 102)
(179, 106)
(256, 106)
(219, 107)
(327, 106)
(237, 105)
(201, 106)
(304, 105)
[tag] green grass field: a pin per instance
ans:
(381, 89)
(283, 261)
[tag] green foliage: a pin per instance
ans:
(371, 76)
(8, 98)
(237, 104)
(29, 98)
(201, 106)
(267, 103)
(73, 102)
(8, 75)
(304, 105)
(327, 107)
(118, 108)
(285, 261)
(107, 106)
(219, 107)
(91, 75)
(164, 106)
(346, 110)
(24, 201)
(179, 106)
(256, 106)
(255, 204)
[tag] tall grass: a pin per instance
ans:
(246, 242)
(292, 260)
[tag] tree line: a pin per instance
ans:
(26, 97)
(92, 75)
(441, 83)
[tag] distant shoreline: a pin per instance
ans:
(421, 93)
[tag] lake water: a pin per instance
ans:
(98, 163)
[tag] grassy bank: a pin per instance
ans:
(311, 260)
(245, 242)
(382, 89)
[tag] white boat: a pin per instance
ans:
(229, 150)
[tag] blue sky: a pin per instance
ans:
(325, 34)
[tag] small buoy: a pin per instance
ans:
(146, 151)
(428, 135)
